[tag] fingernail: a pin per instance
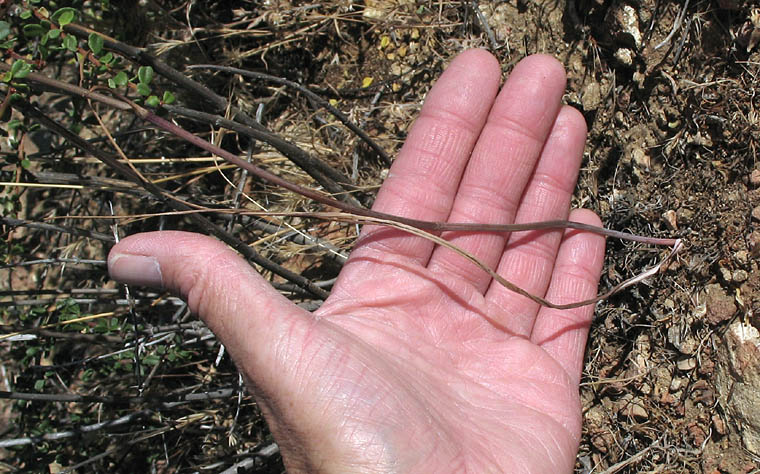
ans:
(135, 270)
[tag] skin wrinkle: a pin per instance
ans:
(426, 203)
(332, 358)
(539, 249)
(417, 387)
(529, 274)
(501, 141)
(544, 197)
(448, 134)
(480, 197)
(509, 126)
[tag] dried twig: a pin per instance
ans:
(305, 161)
(221, 105)
(82, 430)
(240, 246)
(90, 234)
(167, 401)
(311, 95)
(676, 26)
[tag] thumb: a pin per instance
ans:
(247, 315)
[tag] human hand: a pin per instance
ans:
(418, 361)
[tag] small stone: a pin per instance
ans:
(685, 215)
(685, 365)
(696, 433)
(726, 274)
(641, 158)
(740, 276)
(719, 425)
(720, 305)
(639, 78)
(738, 380)
(754, 177)
(629, 24)
(682, 339)
(670, 219)
(676, 384)
(754, 244)
(591, 96)
(742, 257)
(624, 56)
(756, 213)
(632, 407)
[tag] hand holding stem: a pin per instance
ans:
(419, 361)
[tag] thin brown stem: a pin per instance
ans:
(359, 211)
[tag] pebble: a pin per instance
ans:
(754, 178)
(624, 56)
(670, 219)
(687, 364)
(720, 427)
(632, 407)
(754, 244)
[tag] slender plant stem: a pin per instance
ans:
(363, 212)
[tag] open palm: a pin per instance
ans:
(418, 361)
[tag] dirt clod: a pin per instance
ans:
(720, 306)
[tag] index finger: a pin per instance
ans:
(425, 176)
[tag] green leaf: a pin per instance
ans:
(19, 70)
(143, 89)
(70, 43)
(7, 44)
(95, 42)
(145, 74)
(112, 84)
(169, 98)
(5, 29)
(25, 163)
(52, 34)
(17, 65)
(121, 79)
(107, 58)
(23, 71)
(64, 16)
(152, 101)
(39, 385)
(30, 31)
(26, 14)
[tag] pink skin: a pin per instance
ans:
(418, 362)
